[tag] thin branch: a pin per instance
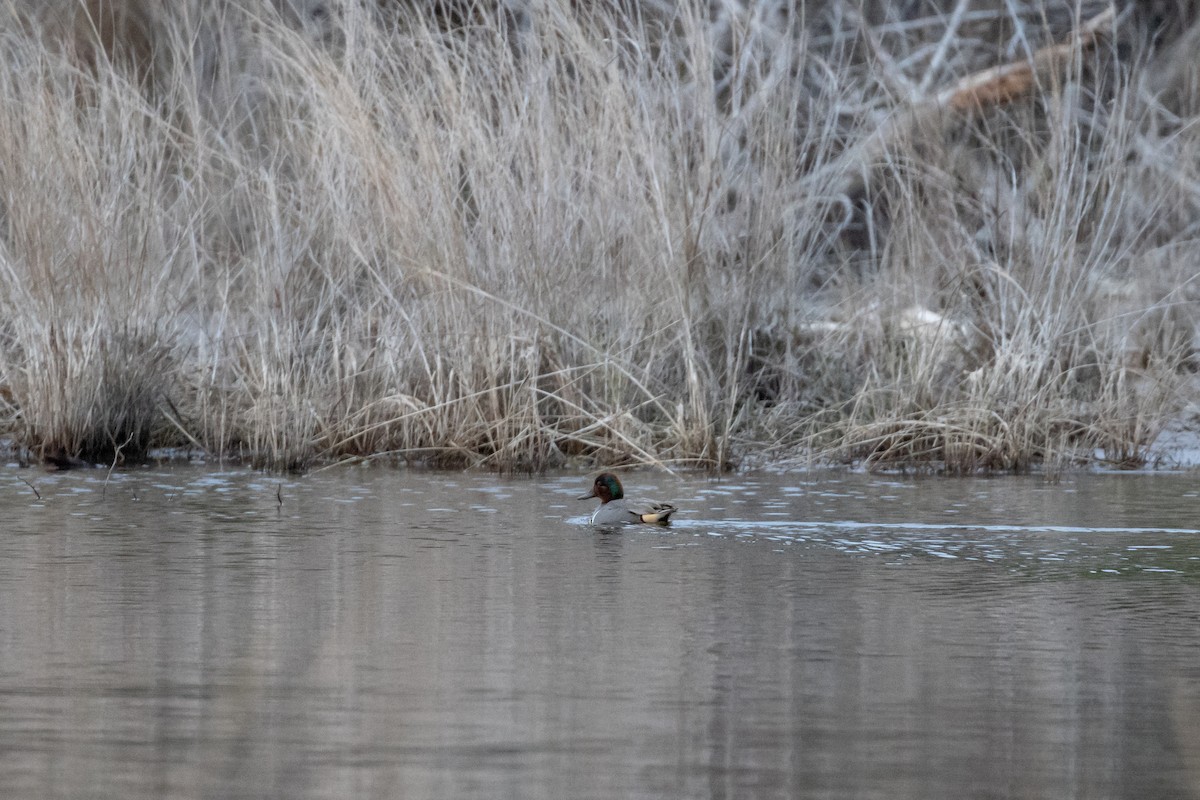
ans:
(36, 493)
(939, 55)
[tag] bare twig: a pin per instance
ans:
(892, 73)
(113, 465)
(36, 493)
(939, 55)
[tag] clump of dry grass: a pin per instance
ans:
(302, 232)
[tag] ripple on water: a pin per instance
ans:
(1042, 550)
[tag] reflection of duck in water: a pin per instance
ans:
(615, 509)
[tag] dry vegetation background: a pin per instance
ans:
(526, 234)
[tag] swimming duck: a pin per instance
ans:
(615, 509)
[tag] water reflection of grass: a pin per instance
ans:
(519, 238)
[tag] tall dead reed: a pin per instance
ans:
(302, 232)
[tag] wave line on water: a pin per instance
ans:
(777, 525)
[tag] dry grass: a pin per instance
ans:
(536, 237)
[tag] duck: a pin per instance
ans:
(614, 509)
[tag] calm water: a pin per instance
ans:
(394, 634)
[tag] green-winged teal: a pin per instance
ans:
(615, 509)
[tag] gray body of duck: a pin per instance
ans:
(616, 510)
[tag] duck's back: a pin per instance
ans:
(617, 512)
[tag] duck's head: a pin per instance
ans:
(607, 487)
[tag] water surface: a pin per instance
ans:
(179, 633)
